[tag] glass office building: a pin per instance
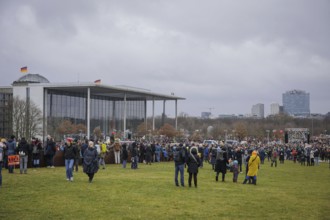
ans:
(296, 103)
(105, 112)
(6, 97)
(111, 108)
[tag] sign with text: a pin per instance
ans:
(13, 160)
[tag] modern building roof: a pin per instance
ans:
(114, 92)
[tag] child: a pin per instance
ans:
(235, 171)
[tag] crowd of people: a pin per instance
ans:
(190, 155)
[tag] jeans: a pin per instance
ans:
(117, 157)
(69, 168)
(49, 160)
(102, 162)
(316, 161)
(179, 168)
(124, 163)
(157, 156)
(23, 160)
(36, 162)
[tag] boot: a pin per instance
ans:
(245, 181)
(254, 181)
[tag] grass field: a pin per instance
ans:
(289, 191)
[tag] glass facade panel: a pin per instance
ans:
(106, 113)
(296, 103)
(6, 98)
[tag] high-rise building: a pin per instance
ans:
(274, 109)
(206, 115)
(296, 103)
(258, 110)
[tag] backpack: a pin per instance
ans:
(103, 148)
(35, 149)
(177, 156)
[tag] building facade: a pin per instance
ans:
(258, 110)
(296, 103)
(6, 98)
(94, 105)
(274, 109)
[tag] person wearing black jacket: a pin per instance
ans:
(50, 150)
(124, 155)
(23, 151)
(193, 162)
(221, 164)
(238, 157)
(70, 152)
(91, 164)
(179, 160)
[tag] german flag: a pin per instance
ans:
(24, 69)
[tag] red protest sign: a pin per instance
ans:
(13, 160)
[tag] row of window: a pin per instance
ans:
(105, 113)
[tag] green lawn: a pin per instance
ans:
(289, 191)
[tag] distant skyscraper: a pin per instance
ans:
(206, 115)
(258, 110)
(274, 109)
(296, 103)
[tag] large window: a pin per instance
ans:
(105, 112)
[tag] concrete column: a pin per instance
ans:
(88, 112)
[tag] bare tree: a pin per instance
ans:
(26, 123)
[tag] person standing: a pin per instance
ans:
(36, 148)
(77, 145)
(124, 155)
(316, 156)
(2, 146)
(148, 154)
(158, 149)
(11, 149)
(282, 155)
(134, 156)
(274, 158)
(193, 162)
(103, 151)
(179, 161)
(84, 146)
(70, 152)
(235, 171)
(50, 151)
(91, 164)
(23, 151)
(254, 163)
(221, 164)
(116, 149)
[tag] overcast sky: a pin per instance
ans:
(220, 55)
